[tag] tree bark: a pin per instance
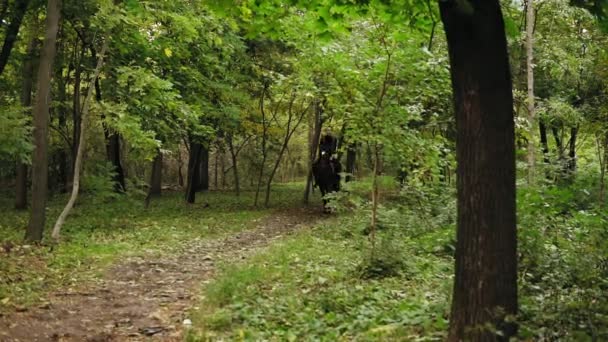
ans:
(155, 187)
(76, 115)
(12, 31)
(26, 101)
(545, 146)
(265, 127)
(223, 166)
(216, 165)
(485, 284)
(81, 147)
(571, 166)
(203, 184)
(41, 125)
(530, 100)
(156, 176)
(194, 161)
(21, 186)
(235, 169)
(602, 151)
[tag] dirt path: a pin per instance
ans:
(140, 298)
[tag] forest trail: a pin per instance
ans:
(143, 298)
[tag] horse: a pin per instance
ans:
(326, 171)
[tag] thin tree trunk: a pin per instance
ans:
(545, 146)
(375, 199)
(530, 101)
(291, 128)
(112, 144)
(223, 166)
(265, 127)
(602, 152)
(12, 31)
(26, 101)
(235, 169)
(351, 158)
(571, 165)
(216, 169)
(63, 126)
(485, 284)
(41, 125)
(76, 115)
(81, 147)
(558, 142)
(543, 141)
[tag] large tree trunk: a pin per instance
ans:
(530, 100)
(26, 101)
(193, 171)
(20, 7)
(485, 284)
(81, 147)
(41, 124)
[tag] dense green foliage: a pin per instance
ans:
(244, 81)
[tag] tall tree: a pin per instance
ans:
(530, 73)
(485, 286)
(41, 124)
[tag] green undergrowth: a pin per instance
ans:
(323, 284)
(99, 232)
(563, 248)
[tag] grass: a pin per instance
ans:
(100, 232)
(310, 287)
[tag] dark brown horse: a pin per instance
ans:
(326, 169)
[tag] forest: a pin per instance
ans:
(291, 170)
